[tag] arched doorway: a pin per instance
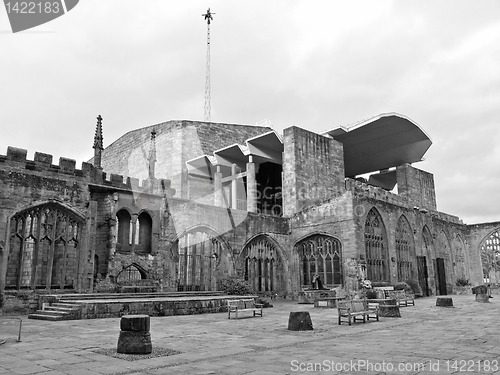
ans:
(44, 248)
(423, 262)
(320, 255)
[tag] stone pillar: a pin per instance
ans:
(251, 186)
(218, 187)
(234, 187)
(134, 335)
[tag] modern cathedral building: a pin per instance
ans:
(183, 204)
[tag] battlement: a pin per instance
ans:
(156, 186)
(17, 157)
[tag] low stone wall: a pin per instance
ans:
(152, 307)
(19, 302)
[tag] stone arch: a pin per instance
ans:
(320, 254)
(405, 250)
(264, 267)
(44, 247)
(124, 230)
(144, 232)
(203, 258)
(376, 247)
(132, 272)
(489, 249)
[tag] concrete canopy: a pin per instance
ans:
(385, 141)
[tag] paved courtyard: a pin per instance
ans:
(425, 340)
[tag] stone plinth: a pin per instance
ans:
(300, 321)
(444, 302)
(134, 335)
(389, 311)
(482, 293)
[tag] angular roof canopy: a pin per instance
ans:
(263, 148)
(382, 142)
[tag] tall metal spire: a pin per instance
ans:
(208, 18)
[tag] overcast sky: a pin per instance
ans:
(313, 64)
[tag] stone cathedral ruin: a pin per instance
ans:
(179, 205)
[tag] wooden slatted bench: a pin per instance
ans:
(236, 306)
(353, 310)
(402, 297)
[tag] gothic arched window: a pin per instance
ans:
(144, 232)
(44, 247)
(320, 255)
(377, 262)
(405, 250)
(124, 236)
(263, 266)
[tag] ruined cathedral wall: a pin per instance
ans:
(446, 231)
(332, 217)
(27, 183)
(313, 169)
(477, 234)
(235, 229)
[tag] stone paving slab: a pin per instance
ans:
(425, 340)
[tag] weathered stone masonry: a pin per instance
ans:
(126, 220)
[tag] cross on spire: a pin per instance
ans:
(208, 16)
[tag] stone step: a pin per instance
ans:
(66, 310)
(71, 305)
(45, 317)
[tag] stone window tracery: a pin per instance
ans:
(263, 266)
(405, 250)
(377, 262)
(43, 248)
(130, 273)
(321, 255)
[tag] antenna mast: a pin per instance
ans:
(208, 18)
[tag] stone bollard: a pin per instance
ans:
(444, 302)
(300, 321)
(134, 335)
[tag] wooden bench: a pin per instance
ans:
(239, 305)
(402, 297)
(354, 310)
